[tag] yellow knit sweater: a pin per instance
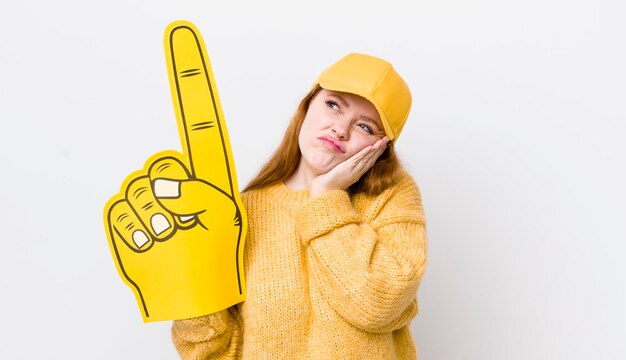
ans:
(331, 277)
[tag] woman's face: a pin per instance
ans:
(337, 126)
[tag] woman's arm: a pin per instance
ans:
(368, 269)
(214, 336)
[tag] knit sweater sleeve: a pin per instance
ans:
(214, 336)
(368, 264)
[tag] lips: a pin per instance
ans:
(332, 144)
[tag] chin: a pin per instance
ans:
(321, 170)
(321, 165)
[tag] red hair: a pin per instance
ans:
(285, 160)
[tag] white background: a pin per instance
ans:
(516, 139)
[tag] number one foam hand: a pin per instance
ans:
(177, 227)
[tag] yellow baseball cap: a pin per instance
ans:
(375, 80)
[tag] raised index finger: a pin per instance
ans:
(201, 124)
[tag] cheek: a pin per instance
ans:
(316, 118)
(360, 141)
(306, 127)
(305, 133)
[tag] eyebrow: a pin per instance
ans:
(340, 98)
(345, 103)
(372, 122)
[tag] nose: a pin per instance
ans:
(340, 131)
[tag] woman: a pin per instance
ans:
(336, 242)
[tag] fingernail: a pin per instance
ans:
(159, 223)
(185, 218)
(139, 238)
(166, 188)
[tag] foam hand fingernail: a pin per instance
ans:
(166, 188)
(139, 238)
(159, 223)
(185, 218)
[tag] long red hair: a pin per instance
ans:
(284, 161)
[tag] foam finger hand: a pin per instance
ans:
(125, 225)
(195, 198)
(183, 195)
(166, 174)
(199, 114)
(158, 221)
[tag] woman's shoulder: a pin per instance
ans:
(404, 185)
(404, 193)
(277, 193)
(248, 195)
(405, 179)
(401, 200)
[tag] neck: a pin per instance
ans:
(300, 179)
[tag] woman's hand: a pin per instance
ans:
(349, 171)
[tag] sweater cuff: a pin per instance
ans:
(325, 213)
(201, 328)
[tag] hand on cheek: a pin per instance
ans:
(349, 171)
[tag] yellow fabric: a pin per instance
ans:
(331, 277)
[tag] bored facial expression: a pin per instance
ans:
(337, 126)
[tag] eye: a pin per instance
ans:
(365, 128)
(331, 104)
